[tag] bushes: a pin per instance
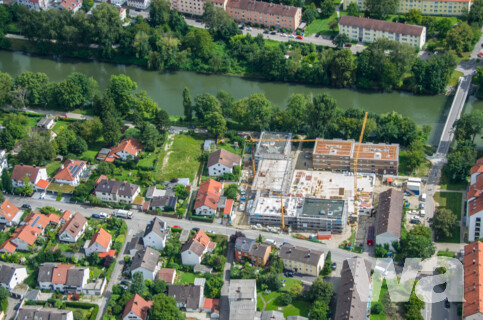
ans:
(110, 270)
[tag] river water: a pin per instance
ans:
(166, 87)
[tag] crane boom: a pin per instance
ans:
(356, 160)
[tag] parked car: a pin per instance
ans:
(317, 35)
(415, 221)
(291, 36)
(348, 45)
(334, 266)
(96, 216)
(125, 282)
(249, 29)
(289, 274)
(26, 206)
(480, 54)
(191, 126)
(273, 33)
(177, 227)
(198, 20)
(421, 205)
(300, 37)
(242, 28)
(266, 32)
(104, 215)
(211, 231)
(196, 229)
(283, 35)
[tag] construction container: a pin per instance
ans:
(324, 235)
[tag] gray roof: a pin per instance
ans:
(259, 250)
(349, 304)
(157, 226)
(45, 272)
(196, 247)
(243, 244)
(154, 192)
(324, 208)
(75, 277)
(136, 243)
(44, 121)
(122, 188)
(188, 294)
(200, 282)
(38, 312)
(164, 201)
(242, 310)
(32, 294)
(147, 259)
(75, 225)
(242, 289)
(201, 268)
(389, 214)
(7, 270)
(269, 315)
(373, 24)
(300, 254)
(297, 318)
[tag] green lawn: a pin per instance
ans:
(56, 187)
(321, 26)
(185, 278)
(422, 171)
(52, 168)
(299, 306)
(91, 153)
(450, 200)
(229, 147)
(149, 159)
(454, 78)
(60, 125)
(183, 161)
(381, 316)
(446, 184)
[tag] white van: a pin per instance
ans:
(123, 214)
(271, 242)
(423, 197)
(422, 213)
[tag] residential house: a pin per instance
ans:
(242, 299)
(265, 13)
(71, 5)
(212, 306)
(136, 244)
(62, 277)
(3, 160)
(187, 296)
(221, 162)
(155, 192)
(389, 217)
(116, 191)
(53, 219)
(39, 221)
(473, 268)
(21, 239)
(155, 234)
(9, 213)
(122, 11)
(127, 149)
(369, 30)
(46, 123)
(39, 312)
(101, 242)
(427, 7)
(118, 3)
(11, 275)
(302, 260)
(70, 172)
(355, 274)
(474, 202)
(139, 4)
(206, 202)
(73, 229)
(65, 216)
(137, 308)
(250, 249)
(33, 173)
(193, 251)
(167, 275)
(34, 4)
(271, 315)
(146, 262)
(162, 202)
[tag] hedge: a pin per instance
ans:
(110, 270)
(4, 305)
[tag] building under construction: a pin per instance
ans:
(273, 146)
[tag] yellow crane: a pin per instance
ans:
(356, 160)
(275, 193)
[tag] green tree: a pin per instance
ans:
(137, 284)
(476, 13)
(37, 149)
(327, 270)
(216, 124)
(201, 44)
(226, 101)
(187, 105)
(415, 155)
(111, 131)
(6, 182)
(296, 109)
(90, 130)
(413, 308)
(381, 9)
(327, 8)
(205, 104)
(161, 121)
(341, 39)
(418, 243)
(468, 126)
(213, 286)
(88, 86)
(443, 222)
(318, 311)
(120, 90)
(141, 44)
(413, 16)
(36, 85)
(442, 26)
(231, 191)
(6, 140)
(218, 22)
(159, 11)
(333, 25)
(159, 286)
(66, 95)
(272, 63)
(460, 161)
(342, 68)
(478, 80)
(353, 9)
(310, 13)
(6, 87)
(377, 308)
(165, 307)
(320, 112)
(181, 192)
(149, 136)
(106, 27)
(460, 38)
(321, 291)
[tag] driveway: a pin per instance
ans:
(224, 304)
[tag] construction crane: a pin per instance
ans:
(356, 160)
(275, 193)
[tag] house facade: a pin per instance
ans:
(116, 191)
(3, 160)
(195, 7)
(10, 215)
(162, 202)
(155, 234)
(62, 277)
(193, 251)
(369, 30)
(257, 253)
(221, 162)
(139, 4)
(473, 268)
(137, 309)
(34, 174)
(302, 260)
(474, 202)
(11, 275)
(73, 229)
(34, 4)
(427, 7)
(101, 242)
(38, 312)
(71, 5)
(70, 172)
(128, 149)
(206, 203)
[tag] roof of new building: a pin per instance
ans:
(263, 7)
(226, 158)
(147, 259)
(21, 170)
(243, 244)
(157, 226)
(7, 270)
(123, 188)
(131, 146)
(208, 194)
(166, 274)
(348, 148)
(300, 254)
(138, 306)
(349, 302)
(381, 25)
(324, 208)
(187, 294)
(164, 201)
(8, 210)
(70, 170)
(102, 237)
(473, 279)
(390, 212)
(75, 225)
(38, 312)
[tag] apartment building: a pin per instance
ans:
(34, 4)
(389, 217)
(474, 207)
(369, 30)
(195, 7)
(473, 268)
(429, 7)
(323, 215)
(116, 191)
(265, 13)
(339, 155)
(302, 260)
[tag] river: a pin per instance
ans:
(166, 87)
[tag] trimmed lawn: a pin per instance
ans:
(149, 160)
(446, 184)
(298, 306)
(450, 200)
(454, 78)
(186, 278)
(381, 316)
(183, 159)
(60, 125)
(229, 147)
(321, 26)
(57, 187)
(52, 168)
(422, 171)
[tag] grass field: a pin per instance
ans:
(446, 184)
(422, 171)
(450, 200)
(321, 26)
(454, 78)
(298, 306)
(60, 125)
(186, 278)
(52, 168)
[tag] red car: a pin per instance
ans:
(177, 227)
(300, 37)
(480, 54)
(348, 45)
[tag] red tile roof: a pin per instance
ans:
(21, 170)
(208, 194)
(131, 146)
(201, 238)
(71, 4)
(102, 237)
(212, 304)
(55, 219)
(37, 220)
(43, 184)
(70, 170)
(475, 196)
(473, 281)
(8, 246)
(110, 253)
(167, 275)
(102, 177)
(8, 210)
(138, 306)
(66, 215)
(478, 167)
(26, 233)
(59, 273)
(228, 206)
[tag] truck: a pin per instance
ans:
(123, 214)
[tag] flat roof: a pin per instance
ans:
(271, 206)
(273, 145)
(328, 208)
(272, 175)
(338, 147)
(334, 147)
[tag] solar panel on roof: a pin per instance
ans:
(35, 221)
(75, 170)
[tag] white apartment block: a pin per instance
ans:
(429, 7)
(195, 7)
